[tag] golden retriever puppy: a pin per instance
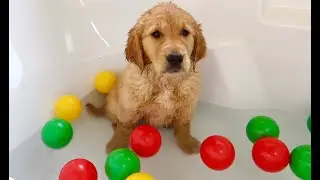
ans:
(161, 82)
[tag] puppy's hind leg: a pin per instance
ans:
(96, 111)
(102, 111)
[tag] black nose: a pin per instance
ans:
(175, 58)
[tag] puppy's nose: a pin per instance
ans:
(175, 58)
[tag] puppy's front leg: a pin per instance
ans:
(122, 132)
(185, 140)
(120, 138)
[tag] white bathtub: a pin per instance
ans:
(259, 61)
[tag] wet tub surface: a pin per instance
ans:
(33, 161)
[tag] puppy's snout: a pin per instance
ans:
(175, 58)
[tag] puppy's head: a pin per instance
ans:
(167, 37)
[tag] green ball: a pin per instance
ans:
(57, 133)
(309, 123)
(262, 126)
(300, 162)
(121, 163)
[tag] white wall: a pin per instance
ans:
(259, 52)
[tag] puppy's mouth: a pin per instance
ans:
(174, 69)
(174, 60)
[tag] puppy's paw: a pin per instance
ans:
(189, 145)
(167, 126)
(116, 144)
(96, 111)
(114, 126)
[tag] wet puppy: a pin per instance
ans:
(161, 82)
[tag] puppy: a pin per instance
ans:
(161, 82)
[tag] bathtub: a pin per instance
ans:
(259, 62)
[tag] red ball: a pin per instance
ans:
(270, 154)
(78, 169)
(217, 153)
(145, 140)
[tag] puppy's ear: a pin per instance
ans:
(134, 49)
(200, 45)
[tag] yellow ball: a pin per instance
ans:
(68, 107)
(140, 176)
(104, 81)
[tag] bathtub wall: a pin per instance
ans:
(259, 52)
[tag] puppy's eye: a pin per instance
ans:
(156, 34)
(184, 32)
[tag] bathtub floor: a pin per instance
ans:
(33, 161)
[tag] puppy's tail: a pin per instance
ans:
(96, 111)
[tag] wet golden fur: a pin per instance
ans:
(145, 89)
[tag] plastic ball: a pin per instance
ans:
(300, 162)
(68, 107)
(121, 163)
(309, 123)
(262, 126)
(270, 154)
(104, 81)
(140, 176)
(78, 169)
(217, 152)
(57, 133)
(145, 141)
